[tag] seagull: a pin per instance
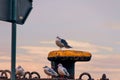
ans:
(62, 43)
(62, 70)
(20, 71)
(50, 71)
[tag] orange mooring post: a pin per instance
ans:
(68, 58)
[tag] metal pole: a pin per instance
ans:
(13, 52)
(13, 42)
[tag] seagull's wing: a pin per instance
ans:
(64, 42)
(47, 71)
(52, 72)
(66, 72)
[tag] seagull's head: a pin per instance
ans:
(58, 37)
(59, 64)
(19, 67)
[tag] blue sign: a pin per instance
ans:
(24, 7)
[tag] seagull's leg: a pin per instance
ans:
(62, 77)
(48, 77)
(60, 48)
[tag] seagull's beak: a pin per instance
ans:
(44, 66)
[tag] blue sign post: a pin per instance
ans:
(13, 41)
(23, 8)
(13, 52)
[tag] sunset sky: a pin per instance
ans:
(87, 25)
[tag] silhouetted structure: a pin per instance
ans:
(104, 77)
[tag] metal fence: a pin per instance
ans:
(6, 75)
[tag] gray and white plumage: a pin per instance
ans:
(49, 71)
(62, 70)
(62, 43)
(20, 71)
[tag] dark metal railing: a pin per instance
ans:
(6, 75)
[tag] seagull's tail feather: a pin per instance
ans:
(68, 74)
(67, 46)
